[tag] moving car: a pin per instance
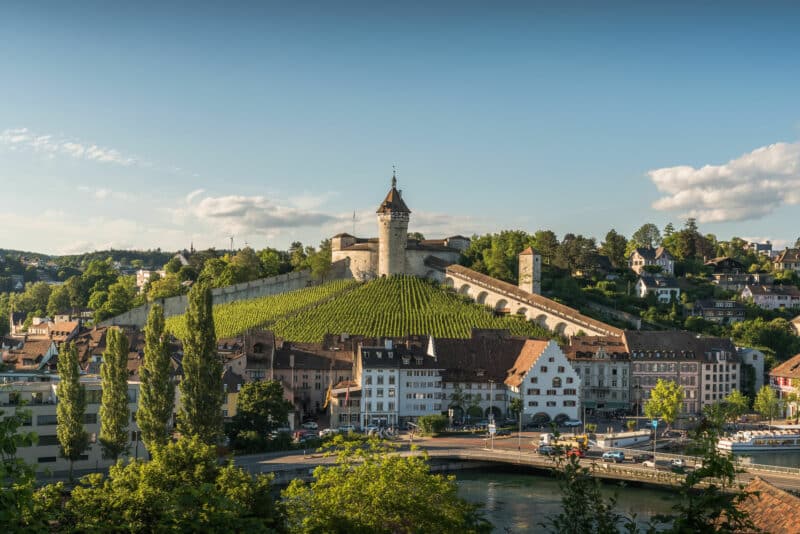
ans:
(614, 456)
(578, 453)
(546, 450)
(310, 425)
(678, 463)
(572, 423)
(649, 463)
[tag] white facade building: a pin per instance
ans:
(37, 394)
(545, 381)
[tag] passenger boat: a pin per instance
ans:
(761, 440)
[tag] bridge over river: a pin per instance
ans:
(288, 466)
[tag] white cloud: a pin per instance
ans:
(249, 214)
(49, 146)
(748, 187)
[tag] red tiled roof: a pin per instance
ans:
(771, 509)
(393, 203)
(788, 369)
(531, 351)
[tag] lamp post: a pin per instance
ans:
(491, 410)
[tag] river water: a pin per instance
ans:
(515, 502)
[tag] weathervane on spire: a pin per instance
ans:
(394, 176)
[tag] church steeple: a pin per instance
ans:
(394, 177)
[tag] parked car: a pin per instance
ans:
(327, 432)
(649, 463)
(572, 423)
(310, 425)
(546, 450)
(347, 429)
(614, 456)
(503, 432)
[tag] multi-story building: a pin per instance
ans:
(544, 380)
(474, 372)
(785, 380)
(707, 368)
(36, 393)
(399, 383)
(604, 366)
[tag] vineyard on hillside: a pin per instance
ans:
(236, 317)
(395, 307)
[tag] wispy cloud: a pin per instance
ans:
(748, 187)
(51, 146)
(103, 193)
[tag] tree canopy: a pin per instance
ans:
(666, 401)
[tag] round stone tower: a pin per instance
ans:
(393, 215)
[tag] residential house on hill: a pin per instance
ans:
(764, 249)
(665, 288)
(31, 355)
(772, 297)
(788, 260)
(719, 311)
(643, 256)
(796, 325)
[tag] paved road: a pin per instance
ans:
(514, 449)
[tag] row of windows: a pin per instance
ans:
(721, 378)
(379, 392)
(552, 392)
(378, 380)
(552, 404)
(423, 384)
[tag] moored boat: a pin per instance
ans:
(761, 440)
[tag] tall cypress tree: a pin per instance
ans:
(157, 391)
(114, 412)
(71, 407)
(201, 386)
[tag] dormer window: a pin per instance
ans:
(418, 359)
(479, 372)
(406, 360)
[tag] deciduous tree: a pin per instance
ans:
(767, 403)
(157, 390)
(114, 412)
(260, 406)
(371, 490)
(666, 401)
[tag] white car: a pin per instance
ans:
(678, 463)
(572, 423)
(311, 425)
(649, 463)
(327, 432)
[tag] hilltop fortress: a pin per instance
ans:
(392, 252)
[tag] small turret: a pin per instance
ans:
(530, 271)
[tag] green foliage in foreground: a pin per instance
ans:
(370, 489)
(182, 489)
(708, 498)
(399, 306)
(236, 317)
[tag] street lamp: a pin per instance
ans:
(491, 411)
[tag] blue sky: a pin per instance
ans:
(144, 125)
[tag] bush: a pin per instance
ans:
(432, 424)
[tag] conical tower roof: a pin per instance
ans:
(393, 203)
